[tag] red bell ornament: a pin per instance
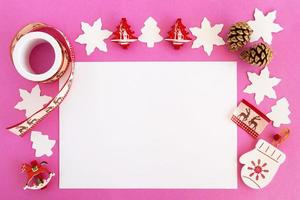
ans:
(38, 176)
(178, 35)
(124, 35)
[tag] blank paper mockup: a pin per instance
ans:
(149, 125)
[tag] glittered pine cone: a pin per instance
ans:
(239, 35)
(259, 55)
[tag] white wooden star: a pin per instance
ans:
(93, 36)
(262, 85)
(33, 101)
(280, 112)
(263, 26)
(207, 36)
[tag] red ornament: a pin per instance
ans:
(124, 35)
(38, 176)
(279, 138)
(276, 137)
(178, 34)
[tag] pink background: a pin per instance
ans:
(67, 15)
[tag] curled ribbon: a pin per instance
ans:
(64, 64)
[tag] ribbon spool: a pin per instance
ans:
(25, 40)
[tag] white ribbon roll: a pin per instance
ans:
(23, 48)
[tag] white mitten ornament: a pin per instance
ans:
(261, 164)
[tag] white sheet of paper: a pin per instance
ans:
(149, 125)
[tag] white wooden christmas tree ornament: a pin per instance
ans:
(261, 164)
(263, 26)
(280, 112)
(32, 101)
(207, 36)
(150, 33)
(262, 85)
(93, 36)
(42, 144)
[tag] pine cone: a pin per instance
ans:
(259, 55)
(239, 35)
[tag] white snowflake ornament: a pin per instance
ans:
(150, 33)
(93, 36)
(280, 113)
(263, 26)
(262, 85)
(42, 144)
(207, 36)
(33, 101)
